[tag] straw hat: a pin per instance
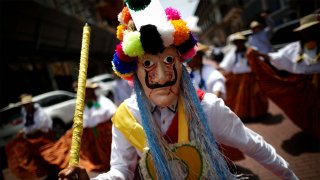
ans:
(237, 36)
(254, 24)
(307, 21)
(26, 99)
(91, 85)
(201, 47)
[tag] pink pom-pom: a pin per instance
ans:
(172, 14)
(189, 54)
(130, 82)
(121, 54)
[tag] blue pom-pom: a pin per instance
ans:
(123, 67)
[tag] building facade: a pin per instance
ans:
(219, 18)
(41, 43)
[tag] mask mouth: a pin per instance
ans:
(167, 84)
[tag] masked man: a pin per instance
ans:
(170, 127)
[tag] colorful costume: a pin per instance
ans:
(226, 126)
(96, 139)
(290, 59)
(23, 156)
(244, 96)
(296, 93)
(209, 79)
(165, 124)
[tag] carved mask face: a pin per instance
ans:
(160, 76)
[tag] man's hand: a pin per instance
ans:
(73, 173)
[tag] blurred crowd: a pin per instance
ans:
(245, 74)
(250, 71)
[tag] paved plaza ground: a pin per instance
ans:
(299, 149)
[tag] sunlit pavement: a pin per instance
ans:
(300, 150)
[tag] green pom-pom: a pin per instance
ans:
(131, 44)
(137, 5)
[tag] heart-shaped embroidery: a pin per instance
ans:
(186, 157)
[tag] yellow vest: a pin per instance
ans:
(126, 123)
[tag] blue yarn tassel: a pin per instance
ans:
(222, 171)
(158, 157)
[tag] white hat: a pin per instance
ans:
(237, 36)
(26, 99)
(254, 24)
(91, 85)
(307, 21)
(201, 47)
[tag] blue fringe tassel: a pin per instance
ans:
(221, 171)
(123, 67)
(158, 157)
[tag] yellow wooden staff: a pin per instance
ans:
(78, 114)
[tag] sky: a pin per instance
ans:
(186, 7)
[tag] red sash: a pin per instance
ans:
(171, 135)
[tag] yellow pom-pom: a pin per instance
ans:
(132, 45)
(120, 29)
(181, 33)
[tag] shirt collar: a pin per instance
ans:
(172, 107)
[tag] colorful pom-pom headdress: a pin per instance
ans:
(146, 28)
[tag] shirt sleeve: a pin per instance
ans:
(229, 130)
(219, 85)
(94, 116)
(282, 59)
(228, 61)
(42, 121)
(268, 32)
(110, 107)
(124, 158)
(215, 81)
(45, 121)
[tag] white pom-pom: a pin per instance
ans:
(167, 33)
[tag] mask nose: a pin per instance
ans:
(160, 74)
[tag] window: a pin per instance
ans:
(55, 99)
(107, 79)
(8, 115)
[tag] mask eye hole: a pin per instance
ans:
(147, 64)
(169, 60)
